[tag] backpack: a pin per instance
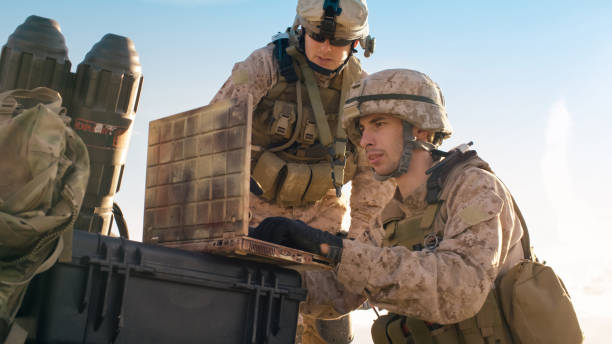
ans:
(44, 169)
(535, 302)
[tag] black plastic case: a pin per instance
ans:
(121, 291)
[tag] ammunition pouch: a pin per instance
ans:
(294, 183)
(283, 119)
(321, 182)
(283, 123)
(485, 327)
(266, 172)
(308, 128)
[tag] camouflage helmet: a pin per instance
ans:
(341, 19)
(407, 94)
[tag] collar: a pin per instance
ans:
(414, 202)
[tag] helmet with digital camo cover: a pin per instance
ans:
(403, 93)
(336, 19)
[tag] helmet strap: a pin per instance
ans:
(326, 71)
(410, 143)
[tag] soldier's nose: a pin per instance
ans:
(326, 45)
(366, 139)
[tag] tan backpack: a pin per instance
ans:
(535, 302)
(44, 168)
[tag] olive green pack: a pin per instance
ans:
(44, 167)
(535, 302)
(529, 303)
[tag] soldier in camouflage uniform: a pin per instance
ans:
(450, 230)
(300, 155)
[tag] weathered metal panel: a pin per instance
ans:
(198, 174)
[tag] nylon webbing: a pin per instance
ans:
(388, 96)
(438, 177)
(347, 81)
(285, 64)
(441, 171)
(339, 148)
(315, 98)
(525, 242)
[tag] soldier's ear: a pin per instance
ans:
(422, 135)
(355, 42)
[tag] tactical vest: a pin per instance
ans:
(417, 233)
(300, 150)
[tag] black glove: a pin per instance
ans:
(298, 235)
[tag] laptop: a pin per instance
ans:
(198, 186)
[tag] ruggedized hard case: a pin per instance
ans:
(120, 291)
(198, 186)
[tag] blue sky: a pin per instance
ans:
(528, 81)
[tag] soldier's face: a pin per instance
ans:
(325, 54)
(382, 139)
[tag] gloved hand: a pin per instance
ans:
(298, 235)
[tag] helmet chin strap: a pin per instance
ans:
(325, 71)
(410, 143)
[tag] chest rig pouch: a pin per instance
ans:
(528, 305)
(303, 151)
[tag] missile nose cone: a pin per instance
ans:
(41, 36)
(114, 53)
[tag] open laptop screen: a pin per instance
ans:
(197, 185)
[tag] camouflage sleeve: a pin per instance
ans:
(368, 198)
(255, 75)
(327, 298)
(450, 283)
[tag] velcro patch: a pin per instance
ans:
(473, 214)
(240, 76)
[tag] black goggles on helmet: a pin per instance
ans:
(335, 42)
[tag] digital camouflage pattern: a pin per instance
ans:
(481, 240)
(365, 99)
(44, 168)
(256, 76)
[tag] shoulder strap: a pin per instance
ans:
(315, 97)
(339, 148)
(285, 63)
(525, 242)
(441, 172)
